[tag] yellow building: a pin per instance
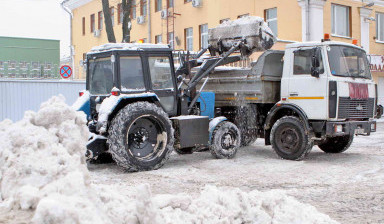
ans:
(184, 23)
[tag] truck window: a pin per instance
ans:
(100, 76)
(161, 75)
(303, 62)
(131, 74)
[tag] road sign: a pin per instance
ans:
(65, 71)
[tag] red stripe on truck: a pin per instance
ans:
(358, 91)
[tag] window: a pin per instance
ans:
(204, 36)
(188, 33)
(242, 16)
(92, 23)
(171, 42)
(341, 20)
(133, 9)
(348, 62)
(112, 11)
(100, 76)
(303, 62)
(271, 19)
(158, 39)
(158, 5)
(224, 20)
(119, 13)
(100, 20)
(380, 26)
(143, 7)
(145, 40)
(83, 26)
(160, 69)
(170, 3)
(185, 1)
(131, 74)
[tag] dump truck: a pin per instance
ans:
(140, 108)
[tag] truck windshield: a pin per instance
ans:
(348, 62)
(100, 76)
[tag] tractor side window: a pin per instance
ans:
(161, 75)
(100, 76)
(131, 74)
(303, 62)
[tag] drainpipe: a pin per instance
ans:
(307, 33)
(70, 39)
(149, 21)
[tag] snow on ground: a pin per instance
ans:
(44, 179)
(348, 187)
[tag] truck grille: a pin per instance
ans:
(356, 108)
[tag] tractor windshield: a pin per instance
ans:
(348, 62)
(100, 76)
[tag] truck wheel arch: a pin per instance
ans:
(280, 110)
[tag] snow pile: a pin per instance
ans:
(259, 37)
(43, 170)
(216, 205)
(42, 165)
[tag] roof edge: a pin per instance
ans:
(73, 4)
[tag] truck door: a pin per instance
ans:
(163, 82)
(306, 91)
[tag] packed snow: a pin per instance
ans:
(44, 179)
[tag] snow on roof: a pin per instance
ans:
(127, 46)
(319, 43)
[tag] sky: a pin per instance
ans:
(43, 19)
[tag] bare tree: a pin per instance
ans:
(108, 22)
(127, 25)
(126, 7)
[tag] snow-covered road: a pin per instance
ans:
(348, 186)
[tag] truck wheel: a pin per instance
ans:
(336, 144)
(289, 139)
(141, 137)
(225, 140)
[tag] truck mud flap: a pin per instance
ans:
(96, 145)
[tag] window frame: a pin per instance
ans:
(188, 39)
(83, 25)
(171, 39)
(119, 13)
(321, 61)
(100, 20)
(157, 37)
(92, 23)
(158, 5)
(201, 34)
(378, 25)
(268, 20)
(334, 19)
(112, 13)
(143, 7)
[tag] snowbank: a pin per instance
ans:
(43, 170)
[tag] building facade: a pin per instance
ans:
(184, 24)
(29, 58)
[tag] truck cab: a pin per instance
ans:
(331, 82)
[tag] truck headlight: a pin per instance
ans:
(338, 128)
(373, 127)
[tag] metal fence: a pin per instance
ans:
(18, 96)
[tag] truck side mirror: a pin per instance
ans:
(315, 72)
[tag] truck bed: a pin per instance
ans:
(258, 84)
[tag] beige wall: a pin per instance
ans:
(211, 12)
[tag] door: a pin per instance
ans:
(162, 81)
(308, 92)
(380, 90)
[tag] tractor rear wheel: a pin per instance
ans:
(141, 137)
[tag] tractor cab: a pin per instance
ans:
(114, 69)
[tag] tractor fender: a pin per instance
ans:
(213, 124)
(275, 113)
(83, 104)
(111, 103)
